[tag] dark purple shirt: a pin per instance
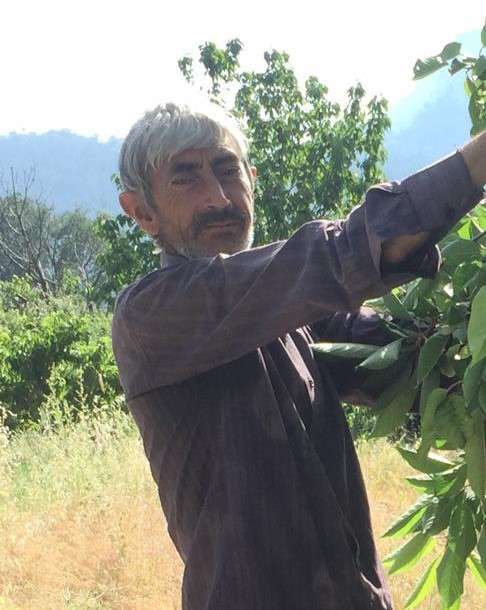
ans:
(256, 470)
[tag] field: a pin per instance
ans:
(81, 527)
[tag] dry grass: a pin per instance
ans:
(81, 526)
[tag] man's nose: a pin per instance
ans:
(215, 194)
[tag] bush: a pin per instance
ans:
(51, 347)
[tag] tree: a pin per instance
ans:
(313, 158)
(51, 249)
(439, 358)
(127, 253)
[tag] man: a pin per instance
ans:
(255, 466)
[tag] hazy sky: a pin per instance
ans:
(94, 66)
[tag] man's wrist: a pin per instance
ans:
(474, 154)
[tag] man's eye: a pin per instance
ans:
(183, 180)
(231, 171)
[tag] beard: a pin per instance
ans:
(196, 244)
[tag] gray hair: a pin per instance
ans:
(170, 129)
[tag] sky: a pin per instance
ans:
(94, 66)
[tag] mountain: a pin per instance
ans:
(73, 170)
(70, 170)
(432, 121)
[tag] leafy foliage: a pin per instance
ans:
(441, 351)
(127, 254)
(313, 157)
(475, 84)
(441, 355)
(51, 349)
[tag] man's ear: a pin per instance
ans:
(145, 216)
(253, 171)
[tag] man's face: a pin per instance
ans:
(204, 202)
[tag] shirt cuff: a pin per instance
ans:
(442, 193)
(432, 200)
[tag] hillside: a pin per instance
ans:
(429, 124)
(71, 170)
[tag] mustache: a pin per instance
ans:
(230, 214)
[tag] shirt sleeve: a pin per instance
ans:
(188, 318)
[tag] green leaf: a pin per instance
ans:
(430, 354)
(395, 413)
(392, 390)
(449, 421)
(483, 36)
(456, 66)
(482, 546)
(474, 564)
(423, 482)
(475, 112)
(446, 367)
(396, 307)
(423, 587)
(450, 577)
(423, 68)
(475, 452)
(457, 485)
(384, 357)
(428, 465)
(463, 276)
(462, 533)
(437, 516)
(449, 482)
(435, 398)
(406, 522)
(476, 330)
(473, 107)
(480, 67)
(450, 51)
(469, 87)
(482, 396)
(460, 251)
(461, 331)
(430, 383)
(471, 383)
(466, 223)
(409, 553)
(331, 351)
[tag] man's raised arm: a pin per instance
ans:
(202, 313)
(398, 249)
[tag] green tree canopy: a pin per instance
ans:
(314, 158)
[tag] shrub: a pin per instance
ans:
(51, 347)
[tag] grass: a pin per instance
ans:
(82, 529)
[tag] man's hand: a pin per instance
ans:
(400, 248)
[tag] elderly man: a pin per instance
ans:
(255, 466)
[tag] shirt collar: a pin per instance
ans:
(167, 260)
